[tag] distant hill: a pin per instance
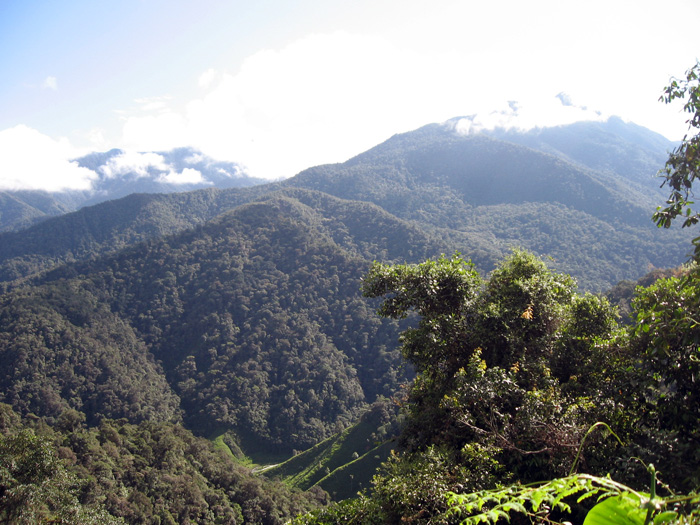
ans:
(479, 194)
(624, 148)
(20, 209)
(484, 195)
(118, 174)
(110, 226)
(240, 308)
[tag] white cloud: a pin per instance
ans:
(187, 176)
(50, 83)
(141, 165)
(321, 99)
(133, 162)
(195, 158)
(327, 97)
(534, 112)
(31, 160)
(207, 78)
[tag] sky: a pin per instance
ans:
(279, 85)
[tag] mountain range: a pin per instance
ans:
(238, 310)
(569, 193)
(118, 173)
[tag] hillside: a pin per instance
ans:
(478, 194)
(484, 196)
(110, 226)
(346, 462)
(255, 321)
(630, 151)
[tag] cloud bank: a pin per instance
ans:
(327, 97)
(129, 162)
(545, 112)
(34, 161)
(304, 104)
(151, 165)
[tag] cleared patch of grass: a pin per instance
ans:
(341, 464)
(345, 481)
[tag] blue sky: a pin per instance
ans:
(283, 85)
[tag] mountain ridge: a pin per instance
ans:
(453, 187)
(119, 173)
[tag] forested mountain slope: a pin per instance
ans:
(475, 169)
(109, 226)
(19, 210)
(476, 194)
(484, 196)
(624, 148)
(118, 472)
(255, 320)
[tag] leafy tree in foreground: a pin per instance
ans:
(510, 374)
(513, 374)
(36, 487)
(683, 165)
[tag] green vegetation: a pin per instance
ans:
(682, 166)
(253, 322)
(250, 317)
(147, 473)
(346, 462)
(512, 373)
(519, 378)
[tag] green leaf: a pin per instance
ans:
(666, 517)
(617, 510)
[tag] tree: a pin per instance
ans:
(484, 352)
(683, 165)
(443, 293)
(36, 487)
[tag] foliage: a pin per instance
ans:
(484, 352)
(669, 329)
(36, 487)
(682, 166)
(61, 348)
(535, 365)
(146, 473)
(441, 292)
(545, 502)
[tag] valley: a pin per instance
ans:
(236, 315)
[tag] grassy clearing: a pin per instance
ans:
(341, 464)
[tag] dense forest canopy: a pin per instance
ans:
(256, 318)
